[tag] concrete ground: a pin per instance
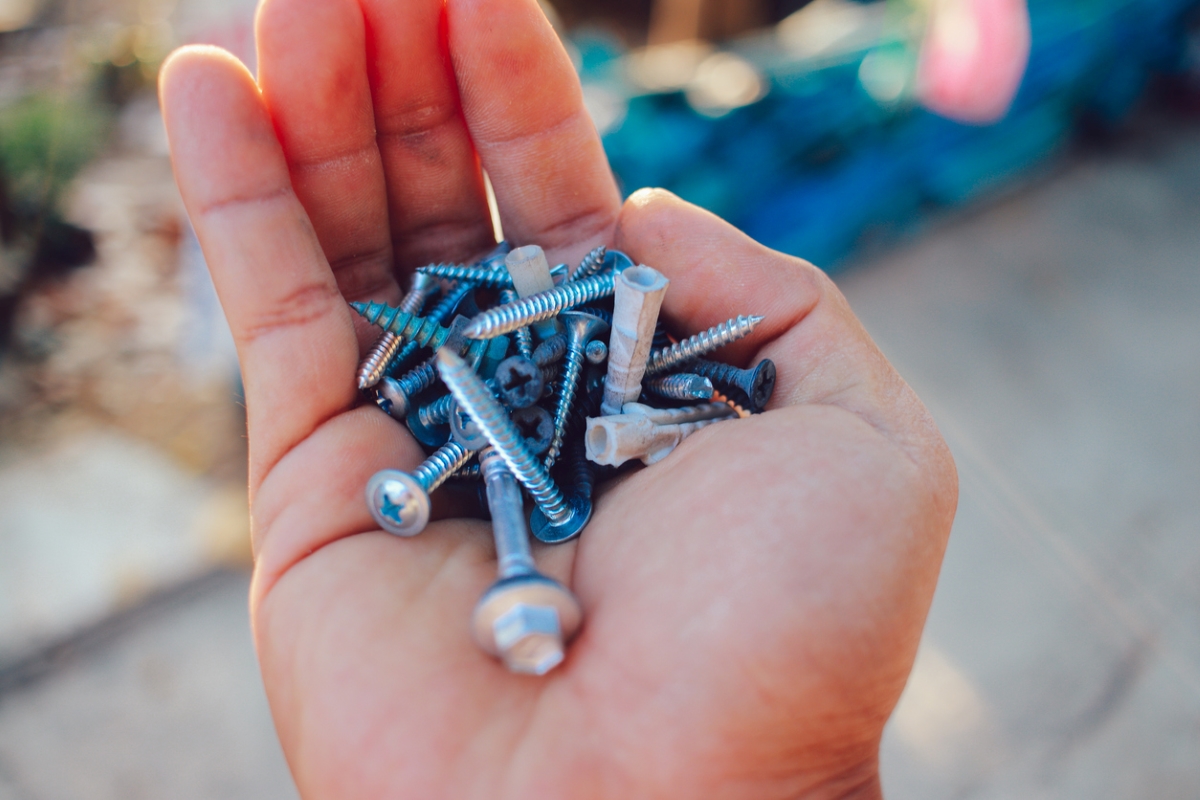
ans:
(1055, 335)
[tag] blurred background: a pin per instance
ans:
(1009, 195)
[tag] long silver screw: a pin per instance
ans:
(538, 307)
(525, 618)
(399, 502)
(495, 277)
(563, 520)
(375, 365)
(580, 329)
(522, 336)
(692, 347)
(592, 263)
(681, 386)
(757, 383)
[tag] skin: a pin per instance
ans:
(753, 602)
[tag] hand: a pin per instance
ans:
(753, 602)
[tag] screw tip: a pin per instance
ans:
(475, 330)
(360, 307)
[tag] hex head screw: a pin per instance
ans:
(399, 502)
(638, 296)
(525, 618)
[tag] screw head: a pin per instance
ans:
(398, 502)
(520, 381)
(465, 431)
(762, 384)
(543, 531)
(526, 621)
(596, 351)
(388, 391)
(536, 426)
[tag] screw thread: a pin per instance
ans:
(375, 364)
(540, 306)
(480, 276)
(437, 412)
(422, 285)
(434, 471)
(523, 336)
(572, 368)
(681, 386)
(446, 306)
(590, 264)
(424, 331)
(582, 471)
(476, 399)
(417, 380)
(551, 351)
(695, 346)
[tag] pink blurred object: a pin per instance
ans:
(973, 58)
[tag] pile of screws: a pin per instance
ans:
(562, 376)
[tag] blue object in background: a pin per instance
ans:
(817, 163)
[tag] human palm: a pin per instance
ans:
(752, 603)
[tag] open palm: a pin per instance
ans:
(752, 603)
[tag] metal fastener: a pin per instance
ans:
(681, 386)
(757, 383)
(399, 502)
(705, 342)
(525, 618)
(537, 308)
(580, 329)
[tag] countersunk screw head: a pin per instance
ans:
(398, 502)
(596, 351)
(536, 427)
(762, 384)
(527, 621)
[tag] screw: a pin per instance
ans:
(487, 277)
(395, 394)
(639, 295)
(695, 346)
(757, 383)
(536, 308)
(536, 427)
(375, 365)
(681, 386)
(518, 381)
(554, 516)
(595, 352)
(580, 329)
(591, 264)
(523, 336)
(551, 350)
(525, 618)
(399, 502)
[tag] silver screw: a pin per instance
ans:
(538, 307)
(591, 264)
(596, 351)
(523, 336)
(525, 618)
(399, 502)
(695, 346)
(681, 386)
(757, 383)
(580, 329)
(490, 277)
(554, 517)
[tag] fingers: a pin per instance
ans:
(822, 353)
(436, 200)
(524, 108)
(313, 73)
(293, 330)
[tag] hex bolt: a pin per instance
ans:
(518, 382)
(757, 383)
(580, 329)
(595, 352)
(537, 308)
(639, 295)
(554, 519)
(646, 433)
(523, 336)
(592, 263)
(551, 350)
(693, 347)
(531, 275)
(525, 618)
(374, 366)
(680, 386)
(399, 502)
